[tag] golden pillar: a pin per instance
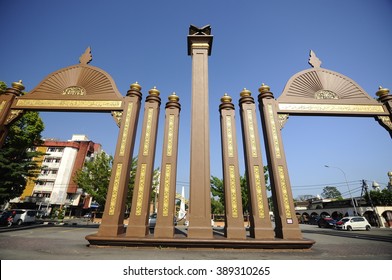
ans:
(138, 219)
(167, 188)
(113, 218)
(260, 222)
(286, 223)
(234, 219)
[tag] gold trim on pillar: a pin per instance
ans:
(2, 104)
(285, 195)
(252, 137)
(233, 192)
(259, 193)
(166, 190)
(116, 184)
(13, 115)
(170, 135)
(148, 131)
(126, 128)
(140, 192)
(229, 132)
(274, 131)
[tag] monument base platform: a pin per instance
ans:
(184, 242)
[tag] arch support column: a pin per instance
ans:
(138, 219)
(167, 191)
(260, 222)
(286, 223)
(113, 217)
(234, 219)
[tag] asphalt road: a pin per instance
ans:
(67, 242)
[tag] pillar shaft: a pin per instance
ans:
(6, 100)
(260, 222)
(167, 188)
(286, 223)
(113, 217)
(138, 219)
(234, 219)
(200, 201)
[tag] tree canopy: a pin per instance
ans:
(331, 192)
(17, 155)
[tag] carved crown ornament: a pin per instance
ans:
(78, 87)
(322, 85)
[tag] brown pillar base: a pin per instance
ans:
(137, 231)
(164, 232)
(110, 230)
(235, 233)
(200, 232)
(262, 233)
(288, 233)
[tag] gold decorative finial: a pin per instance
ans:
(314, 60)
(226, 98)
(245, 93)
(136, 86)
(86, 57)
(154, 91)
(382, 91)
(18, 85)
(264, 88)
(173, 97)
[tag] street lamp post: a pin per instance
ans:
(349, 190)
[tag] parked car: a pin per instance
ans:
(6, 218)
(326, 222)
(24, 216)
(313, 220)
(353, 223)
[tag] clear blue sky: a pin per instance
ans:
(254, 42)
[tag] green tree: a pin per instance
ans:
(381, 198)
(17, 155)
(217, 189)
(331, 192)
(94, 177)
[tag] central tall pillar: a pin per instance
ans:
(199, 47)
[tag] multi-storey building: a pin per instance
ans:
(55, 185)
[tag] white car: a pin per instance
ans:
(353, 223)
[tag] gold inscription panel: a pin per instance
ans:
(166, 190)
(126, 129)
(252, 137)
(259, 193)
(229, 129)
(170, 135)
(147, 138)
(93, 104)
(233, 192)
(116, 185)
(274, 132)
(333, 108)
(140, 193)
(285, 194)
(2, 104)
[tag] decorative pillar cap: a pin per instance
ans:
(226, 98)
(136, 86)
(245, 93)
(154, 91)
(18, 85)
(264, 88)
(173, 97)
(382, 91)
